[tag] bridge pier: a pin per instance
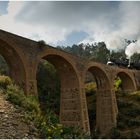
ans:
(73, 111)
(31, 87)
(106, 110)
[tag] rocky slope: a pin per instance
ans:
(13, 124)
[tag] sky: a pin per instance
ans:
(72, 22)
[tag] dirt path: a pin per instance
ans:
(13, 124)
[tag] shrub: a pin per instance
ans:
(134, 135)
(134, 122)
(74, 133)
(47, 125)
(90, 88)
(5, 81)
(123, 104)
(31, 104)
(15, 94)
(132, 111)
(117, 84)
(115, 133)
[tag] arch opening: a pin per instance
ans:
(123, 83)
(68, 89)
(12, 61)
(4, 68)
(48, 85)
(91, 91)
(101, 101)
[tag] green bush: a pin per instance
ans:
(48, 125)
(5, 81)
(115, 133)
(50, 129)
(134, 122)
(117, 84)
(48, 85)
(134, 135)
(90, 88)
(124, 104)
(132, 111)
(15, 95)
(31, 104)
(74, 133)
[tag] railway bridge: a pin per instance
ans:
(23, 56)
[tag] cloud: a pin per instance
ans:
(128, 26)
(59, 19)
(10, 23)
(61, 13)
(54, 21)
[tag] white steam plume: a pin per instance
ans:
(132, 48)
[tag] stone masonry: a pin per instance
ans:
(23, 56)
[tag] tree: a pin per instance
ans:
(135, 58)
(100, 53)
(130, 41)
(97, 51)
(118, 55)
(48, 85)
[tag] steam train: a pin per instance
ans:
(124, 63)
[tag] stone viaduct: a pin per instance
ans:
(23, 56)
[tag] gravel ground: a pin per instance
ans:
(13, 124)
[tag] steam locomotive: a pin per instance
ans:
(124, 63)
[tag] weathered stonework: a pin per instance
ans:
(23, 56)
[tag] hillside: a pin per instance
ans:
(128, 119)
(13, 123)
(21, 116)
(128, 125)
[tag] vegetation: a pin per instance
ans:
(48, 124)
(44, 111)
(117, 84)
(128, 119)
(128, 122)
(135, 58)
(90, 89)
(97, 52)
(48, 87)
(4, 69)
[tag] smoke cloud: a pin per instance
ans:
(132, 48)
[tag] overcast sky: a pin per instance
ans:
(68, 22)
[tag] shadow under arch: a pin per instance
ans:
(105, 101)
(101, 78)
(127, 82)
(15, 63)
(70, 101)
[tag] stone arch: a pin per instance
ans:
(70, 103)
(128, 83)
(106, 101)
(100, 77)
(15, 63)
